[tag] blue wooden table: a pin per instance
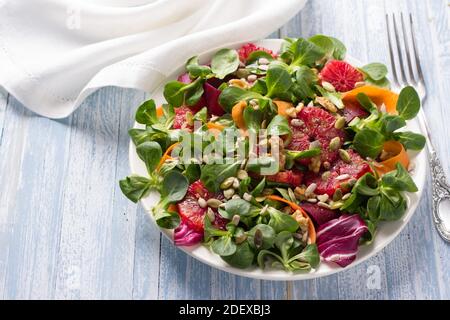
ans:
(66, 231)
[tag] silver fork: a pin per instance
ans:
(414, 77)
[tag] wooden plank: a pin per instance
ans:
(368, 16)
(97, 241)
(434, 28)
(131, 245)
(33, 165)
(305, 24)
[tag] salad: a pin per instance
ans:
(277, 159)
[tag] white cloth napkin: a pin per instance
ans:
(54, 53)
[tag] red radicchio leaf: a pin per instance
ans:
(338, 239)
(211, 95)
(318, 214)
(186, 236)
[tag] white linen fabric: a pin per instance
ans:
(54, 53)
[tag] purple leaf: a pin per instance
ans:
(338, 239)
(318, 214)
(211, 95)
(186, 236)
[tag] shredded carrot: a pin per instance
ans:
(311, 229)
(159, 111)
(237, 113)
(216, 126)
(282, 106)
(376, 94)
(166, 156)
(398, 153)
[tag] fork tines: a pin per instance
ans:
(402, 45)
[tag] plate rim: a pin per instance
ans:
(285, 275)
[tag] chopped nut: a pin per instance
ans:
(202, 202)
(323, 197)
(213, 203)
(335, 143)
(242, 174)
(310, 189)
(252, 78)
(339, 123)
(227, 183)
(240, 83)
(228, 193)
(328, 86)
(344, 155)
(326, 103)
(247, 196)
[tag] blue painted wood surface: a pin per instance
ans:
(67, 232)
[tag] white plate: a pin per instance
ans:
(385, 234)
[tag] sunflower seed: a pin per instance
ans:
(236, 183)
(263, 61)
(326, 103)
(323, 197)
(260, 199)
(202, 202)
(291, 112)
(323, 205)
(299, 107)
(346, 196)
(326, 175)
(344, 176)
(258, 238)
(344, 155)
(328, 86)
(235, 219)
(247, 197)
(310, 189)
(310, 104)
(213, 203)
(263, 67)
(297, 123)
(312, 200)
(336, 205)
(254, 102)
(335, 143)
(339, 123)
(227, 183)
(359, 84)
(236, 196)
(242, 174)
(241, 238)
(252, 78)
(228, 193)
(210, 214)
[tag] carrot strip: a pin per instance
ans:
(159, 111)
(311, 229)
(166, 155)
(237, 113)
(376, 94)
(399, 155)
(282, 106)
(215, 126)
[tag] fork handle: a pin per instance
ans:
(440, 187)
(440, 192)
